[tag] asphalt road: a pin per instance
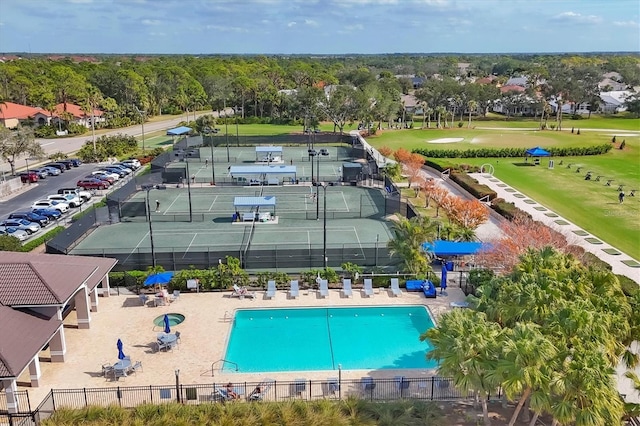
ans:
(72, 144)
(45, 187)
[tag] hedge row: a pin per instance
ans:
(41, 239)
(512, 152)
(471, 185)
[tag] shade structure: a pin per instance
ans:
(453, 248)
(167, 327)
(160, 278)
(179, 131)
(443, 278)
(538, 152)
(121, 354)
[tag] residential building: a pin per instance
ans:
(12, 114)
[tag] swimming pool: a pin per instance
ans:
(381, 337)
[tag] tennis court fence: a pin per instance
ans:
(270, 257)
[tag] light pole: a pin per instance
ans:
(323, 185)
(142, 117)
(189, 189)
(226, 129)
(235, 113)
(148, 188)
(213, 168)
(312, 153)
(340, 382)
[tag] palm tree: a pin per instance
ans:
(524, 364)
(440, 110)
(409, 236)
(473, 106)
(467, 347)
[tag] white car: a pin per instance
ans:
(72, 200)
(51, 204)
(134, 163)
(114, 176)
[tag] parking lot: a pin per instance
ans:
(50, 186)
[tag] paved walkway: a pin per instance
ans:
(573, 233)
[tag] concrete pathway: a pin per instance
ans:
(573, 233)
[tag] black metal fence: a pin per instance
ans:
(332, 388)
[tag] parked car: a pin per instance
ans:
(58, 166)
(125, 169)
(114, 170)
(75, 162)
(85, 195)
(134, 162)
(102, 176)
(51, 170)
(31, 217)
(113, 176)
(73, 201)
(28, 177)
(14, 232)
(50, 204)
(42, 173)
(92, 183)
(25, 225)
(127, 166)
(52, 214)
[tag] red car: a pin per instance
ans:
(90, 183)
(28, 177)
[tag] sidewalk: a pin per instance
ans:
(573, 233)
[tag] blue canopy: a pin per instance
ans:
(159, 279)
(179, 131)
(538, 152)
(259, 170)
(452, 248)
(267, 201)
(268, 149)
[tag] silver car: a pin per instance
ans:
(13, 232)
(22, 224)
(51, 170)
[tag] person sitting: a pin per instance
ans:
(231, 393)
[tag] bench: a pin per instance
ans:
(273, 181)
(248, 217)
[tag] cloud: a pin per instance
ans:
(291, 24)
(578, 18)
(351, 28)
(150, 22)
(223, 28)
(79, 1)
(632, 24)
(311, 22)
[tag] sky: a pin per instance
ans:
(318, 26)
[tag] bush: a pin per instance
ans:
(472, 186)
(10, 243)
(507, 210)
(590, 259)
(629, 287)
(108, 146)
(41, 239)
(281, 279)
(44, 132)
(511, 152)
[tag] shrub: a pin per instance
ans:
(108, 146)
(507, 210)
(511, 152)
(629, 287)
(472, 186)
(590, 259)
(281, 278)
(44, 132)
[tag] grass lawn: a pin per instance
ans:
(590, 204)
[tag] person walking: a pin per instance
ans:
(621, 197)
(206, 162)
(157, 205)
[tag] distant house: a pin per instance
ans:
(512, 88)
(517, 81)
(570, 107)
(416, 82)
(11, 115)
(463, 68)
(612, 81)
(410, 103)
(78, 116)
(613, 101)
(486, 80)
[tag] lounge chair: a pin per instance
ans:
(137, 366)
(294, 292)
(429, 290)
(324, 288)
(271, 289)
(403, 384)
(260, 391)
(395, 287)
(175, 296)
(330, 387)
(143, 299)
(368, 287)
(242, 292)
(346, 288)
(368, 385)
(298, 387)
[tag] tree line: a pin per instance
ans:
(365, 89)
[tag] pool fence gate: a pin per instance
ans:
(332, 388)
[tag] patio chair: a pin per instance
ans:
(395, 287)
(346, 288)
(143, 299)
(294, 291)
(177, 337)
(107, 369)
(175, 296)
(260, 391)
(330, 387)
(137, 366)
(298, 387)
(324, 288)
(368, 385)
(368, 287)
(271, 289)
(403, 384)
(162, 345)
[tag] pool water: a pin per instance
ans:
(384, 337)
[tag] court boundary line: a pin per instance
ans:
(195, 234)
(133, 250)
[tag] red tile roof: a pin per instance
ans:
(10, 110)
(76, 110)
(511, 88)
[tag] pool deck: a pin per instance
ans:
(203, 339)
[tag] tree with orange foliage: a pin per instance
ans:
(385, 151)
(439, 195)
(518, 235)
(401, 155)
(468, 214)
(413, 166)
(428, 186)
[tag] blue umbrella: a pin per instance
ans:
(167, 328)
(121, 354)
(160, 278)
(443, 279)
